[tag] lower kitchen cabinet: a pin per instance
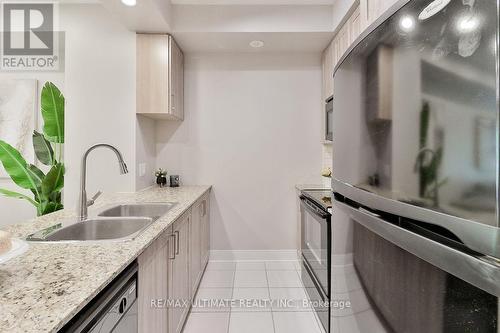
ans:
(205, 230)
(170, 270)
(195, 248)
(199, 242)
(179, 290)
(153, 284)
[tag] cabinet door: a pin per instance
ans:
(176, 80)
(205, 231)
(195, 247)
(372, 9)
(179, 286)
(152, 73)
(343, 40)
(324, 65)
(153, 286)
(328, 71)
(354, 25)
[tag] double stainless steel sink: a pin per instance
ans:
(117, 223)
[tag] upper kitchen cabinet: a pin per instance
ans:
(327, 63)
(160, 77)
(370, 10)
(345, 36)
(354, 25)
(343, 41)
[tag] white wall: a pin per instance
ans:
(100, 98)
(145, 146)
(251, 129)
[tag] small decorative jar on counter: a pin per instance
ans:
(174, 181)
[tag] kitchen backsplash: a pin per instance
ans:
(327, 161)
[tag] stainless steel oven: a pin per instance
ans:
(316, 254)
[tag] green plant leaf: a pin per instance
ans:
(12, 194)
(52, 102)
(43, 149)
(24, 175)
(54, 181)
(47, 207)
(37, 173)
(56, 197)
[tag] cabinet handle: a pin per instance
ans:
(171, 250)
(172, 96)
(203, 208)
(177, 238)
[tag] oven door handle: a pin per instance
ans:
(311, 207)
(314, 279)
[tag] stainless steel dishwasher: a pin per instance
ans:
(114, 310)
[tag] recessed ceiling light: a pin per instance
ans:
(256, 43)
(129, 3)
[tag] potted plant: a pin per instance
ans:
(46, 188)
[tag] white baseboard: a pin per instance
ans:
(253, 255)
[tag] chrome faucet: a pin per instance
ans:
(83, 203)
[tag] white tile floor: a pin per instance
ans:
(251, 285)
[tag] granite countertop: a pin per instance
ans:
(41, 290)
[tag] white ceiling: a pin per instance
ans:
(230, 25)
(253, 2)
(274, 42)
(186, 18)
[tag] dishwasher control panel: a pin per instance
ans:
(111, 318)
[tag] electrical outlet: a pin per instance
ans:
(142, 169)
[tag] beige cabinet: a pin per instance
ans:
(370, 10)
(205, 230)
(354, 25)
(327, 64)
(179, 287)
(343, 38)
(199, 241)
(160, 77)
(171, 268)
(195, 247)
(153, 285)
(176, 80)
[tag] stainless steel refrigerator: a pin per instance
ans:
(416, 164)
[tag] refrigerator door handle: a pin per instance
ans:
(480, 271)
(479, 237)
